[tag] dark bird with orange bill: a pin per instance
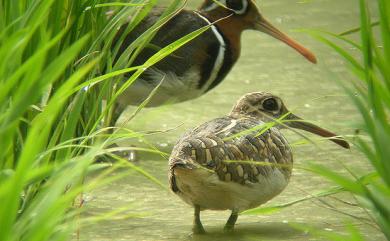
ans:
(204, 62)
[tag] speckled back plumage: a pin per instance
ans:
(216, 144)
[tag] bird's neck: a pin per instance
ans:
(229, 26)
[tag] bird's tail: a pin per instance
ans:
(175, 164)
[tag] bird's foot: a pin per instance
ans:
(198, 229)
(228, 228)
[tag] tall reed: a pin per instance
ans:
(370, 92)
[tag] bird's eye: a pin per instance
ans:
(238, 6)
(234, 4)
(270, 104)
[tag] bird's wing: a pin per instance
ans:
(240, 159)
(180, 25)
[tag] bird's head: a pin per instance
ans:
(244, 14)
(268, 107)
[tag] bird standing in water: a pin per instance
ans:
(201, 64)
(229, 163)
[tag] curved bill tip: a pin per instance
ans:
(310, 56)
(264, 26)
(306, 126)
(340, 141)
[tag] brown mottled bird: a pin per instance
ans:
(225, 164)
(203, 63)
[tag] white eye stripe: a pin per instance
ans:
(214, 5)
(223, 2)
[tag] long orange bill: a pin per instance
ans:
(298, 123)
(264, 26)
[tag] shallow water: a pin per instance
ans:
(311, 91)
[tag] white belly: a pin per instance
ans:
(203, 188)
(173, 89)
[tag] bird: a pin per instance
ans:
(234, 162)
(200, 65)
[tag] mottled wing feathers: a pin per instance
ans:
(241, 159)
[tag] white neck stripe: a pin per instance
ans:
(221, 54)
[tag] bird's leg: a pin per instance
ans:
(197, 227)
(229, 226)
(111, 123)
(117, 111)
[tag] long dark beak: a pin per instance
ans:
(296, 122)
(264, 26)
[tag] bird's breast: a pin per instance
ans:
(220, 165)
(204, 188)
(169, 88)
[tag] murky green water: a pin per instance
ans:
(265, 65)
